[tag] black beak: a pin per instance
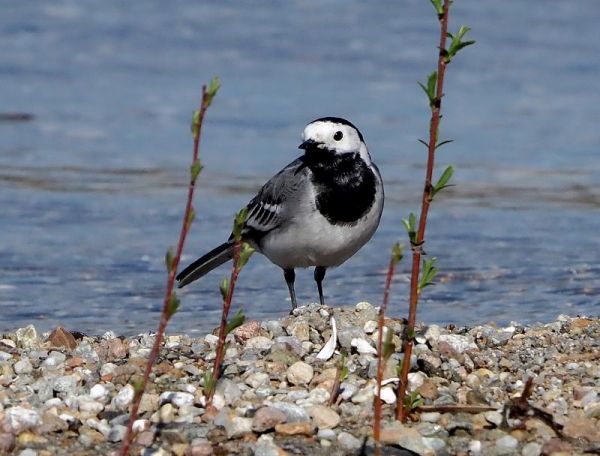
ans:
(309, 144)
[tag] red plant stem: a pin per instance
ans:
(401, 412)
(380, 360)
(164, 317)
(235, 271)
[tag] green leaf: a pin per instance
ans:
(430, 88)
(195, 127)
(413, 400)
(209, 382)
(410, 333)
(213, 87)
(172, 305)
(442, 182)
(397, 253)
(388, 346)
(343, 367)
(238, 224)
(399, 369)
(138, 386)
(411, 227)
(428, 274)
(195, 169)
(457, 44)
(224, 288)
(245, 253)
(235, 321)
(437, 4)
(169, 259)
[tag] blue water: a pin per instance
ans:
(92, 188)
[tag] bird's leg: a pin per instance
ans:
(319, 276)
(290, 277)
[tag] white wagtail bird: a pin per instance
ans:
(317, 211)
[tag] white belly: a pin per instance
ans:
(310, 240)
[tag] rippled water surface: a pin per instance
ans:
(95, 106)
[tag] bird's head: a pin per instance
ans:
(335, 136)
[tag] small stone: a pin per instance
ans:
(117, 433)
(300, 373)
(260, 343)
(201, 447)
(398, 434)
(300, 330)
(430, 417)
(348, 442)
(229, 390)
(327, 434)
(7, 442)
(54, 359)
(324, 417)
(98, 392)
(415, 380)
(117, 349)
(363, 346)
(304, 427)
(61, 338)
(20, 419)
(582, 428)
(27, 337)
(23, 366)
(494, 417)
(123, 398)
(177, 398)
(64, 384)
(145, 438)
(88, 405)
(506, 445)
(257, 379)
(458, 343)
(475, 447)
(532, 449)
(370, 327)
(28, 452)
(293, 412)
(267, 418)
(238, 426)
(265, 446)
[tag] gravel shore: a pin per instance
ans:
(69, 393)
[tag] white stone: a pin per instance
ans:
(23, 366)
(21, 418)
(98, 392)
(258, 343)
(370, 327)
(177, 398)
(459, 343)
(363, 346)
(124, 398)
(415, 380)
(88, 405)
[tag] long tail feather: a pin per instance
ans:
(205, 264)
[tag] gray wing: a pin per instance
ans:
(267, 210)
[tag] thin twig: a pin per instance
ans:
(220, 353)
(401, 412)
(165, 315)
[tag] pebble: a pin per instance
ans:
(300, 373)
(267, 418)
(324, 417)
(274, 388)
(348, 442)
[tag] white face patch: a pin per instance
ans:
(337, 137)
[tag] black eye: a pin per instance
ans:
(338, 135)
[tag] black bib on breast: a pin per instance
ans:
(345, 187)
